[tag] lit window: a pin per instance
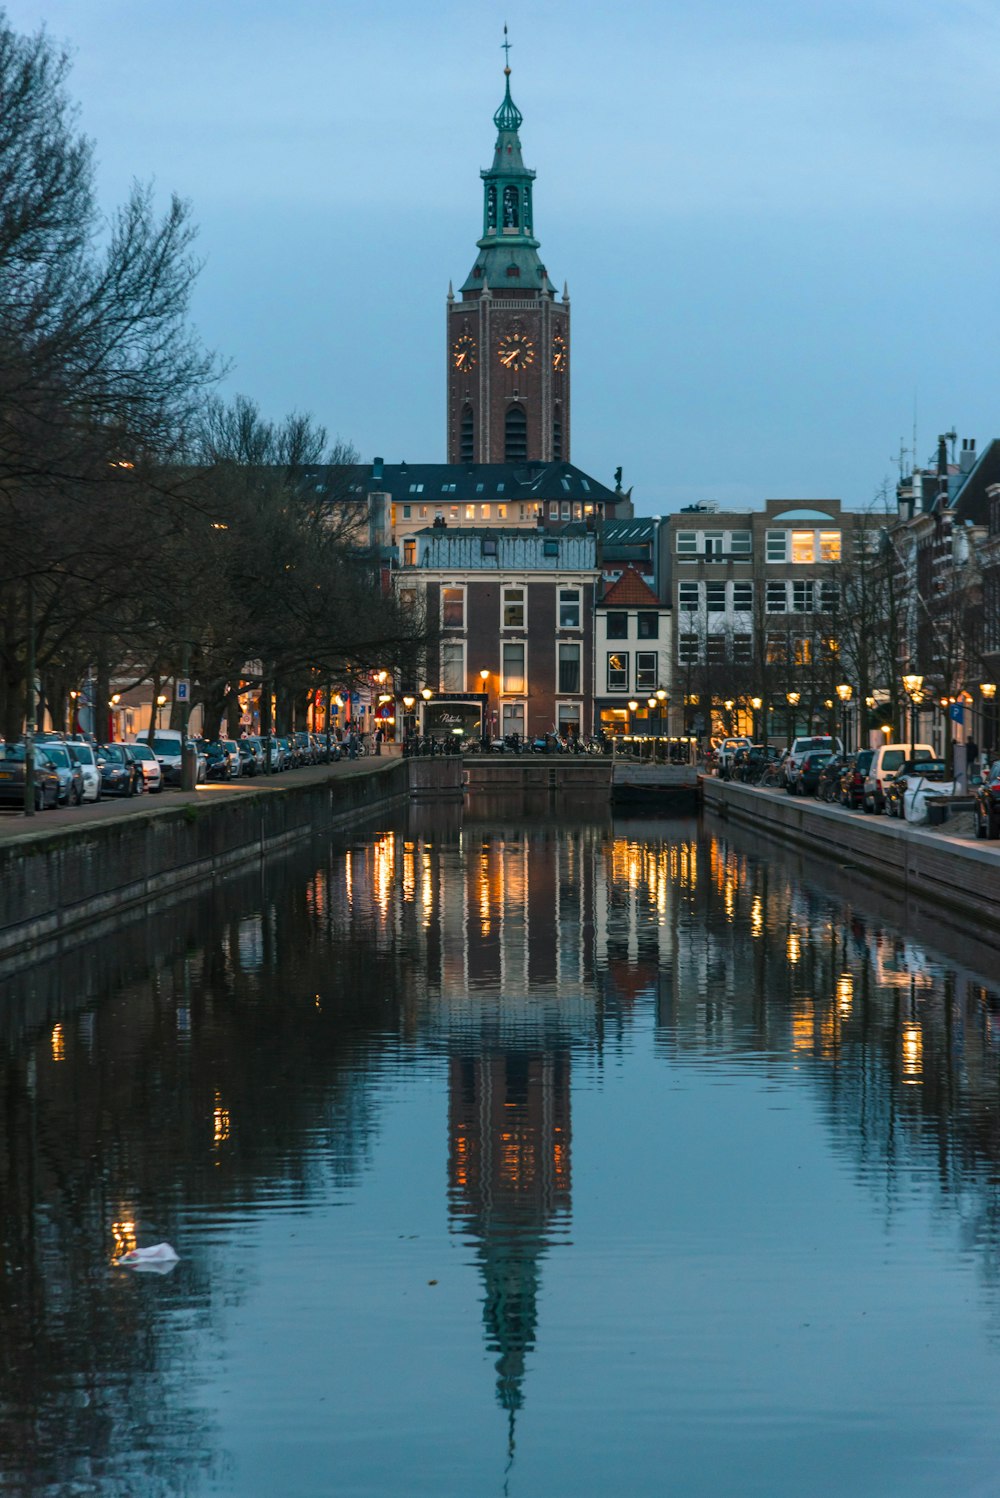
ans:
(802, 650)
(484, 512)
(423, 512)
(470, 512)
(513, 612)
(617, 671)
(829, 546)
(513, 667)
(453, 510)
(803, 546)
(776, 648)
(501, 512)
(409, 553)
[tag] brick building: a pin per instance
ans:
(514, 614)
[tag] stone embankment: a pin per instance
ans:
(949, 873)
(72, 876)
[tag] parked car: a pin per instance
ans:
(83, 754)
(69, 772)
(306, 747)
(218, 758)
(799, 747)
(907, 792)
(852, 778)
(725, 754)
(248, 759)
(12, 778)
(806, 777)
(121, 772)
(886, 760)
(828, 785)
(152, 774)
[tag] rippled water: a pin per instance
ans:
(567, 1158)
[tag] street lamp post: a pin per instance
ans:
(756, 703)
(793, 699)
(845, 692)
(484, 677)
(988, 690)
(633, 708)
(661, 708)
(912, 684)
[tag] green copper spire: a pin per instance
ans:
(508, 260)
(508, 116)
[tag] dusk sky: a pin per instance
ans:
(779, 223)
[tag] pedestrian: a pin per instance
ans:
(352, 744)
(378, 740)
(971, 754)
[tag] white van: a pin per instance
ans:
(167, 748)
(885, 762)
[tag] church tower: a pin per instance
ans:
(508, 336)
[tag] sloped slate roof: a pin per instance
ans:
(475, 483)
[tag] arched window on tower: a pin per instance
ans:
(467, 436)
(515, 436)
(491, 209)
(557, 445)
(527, 210)
(511, 207)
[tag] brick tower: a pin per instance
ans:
(508, 336)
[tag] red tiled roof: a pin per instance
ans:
(629, 590)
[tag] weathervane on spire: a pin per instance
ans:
(505, 48)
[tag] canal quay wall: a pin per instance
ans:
(946, 874)
(75, 882)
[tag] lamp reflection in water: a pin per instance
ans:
(913, 1054)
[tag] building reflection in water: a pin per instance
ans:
(230, 1057)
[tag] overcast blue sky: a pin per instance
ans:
(779, 222)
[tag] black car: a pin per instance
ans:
(47, 785)
(806, 777)
(988, 802)
(220, 760)
(852, 778)
(121, 772)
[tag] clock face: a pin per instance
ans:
(560, 353)
(516, 351)
(463, 352)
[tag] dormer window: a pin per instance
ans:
(513, 270)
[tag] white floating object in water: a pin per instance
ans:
(160, 1257)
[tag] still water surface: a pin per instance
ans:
(574, 1159)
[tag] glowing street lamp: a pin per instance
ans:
(912, 684)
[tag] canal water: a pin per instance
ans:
(506, 1155)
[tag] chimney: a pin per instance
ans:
(377, 470)
(967, 460)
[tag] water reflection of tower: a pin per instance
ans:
(509, 1185)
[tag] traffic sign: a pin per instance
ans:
(183, 692)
